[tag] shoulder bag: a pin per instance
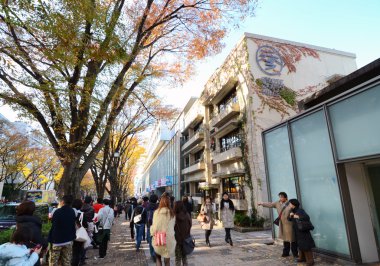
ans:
(278, 219)
(138, 217)
(188, 245)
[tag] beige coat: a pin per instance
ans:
(227, 217)
(286, 227)
(209, 212)
(162, 222)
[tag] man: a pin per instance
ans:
(62, 233)
(105, 218)
(126, 210)
(187, 204)
(285, 226)
(144, 205)
(89, 214)
(152, 206)
(98, 205)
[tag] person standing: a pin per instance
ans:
(145, 205)
(286, 232)
(126, 210)
(62, 233)
(207, 210)
(78, 247)
(98, 205)
(139, 220)
(187, 204)
(162, 231)
(182, 231)
(131, 223)
(304, 239)
(152, 206)
(226, 215)
(89, 214)
(105, 218)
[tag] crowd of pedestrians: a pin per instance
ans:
(164, 223)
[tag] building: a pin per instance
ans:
(328, 156)
(258, 85)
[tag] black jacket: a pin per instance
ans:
(304, 239)
(88, 213)
(35, 225)
(149, 213)
(63, 226)
(182, 227)
(139, 210)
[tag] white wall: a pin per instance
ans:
(360, 204)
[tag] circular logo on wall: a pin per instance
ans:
(269, 60)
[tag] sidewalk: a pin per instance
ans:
(254, 248)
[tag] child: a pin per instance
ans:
(16, 253)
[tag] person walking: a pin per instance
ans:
(25, 218)
(89, 214)
(105, 218)
(127, 206)
(62, 233)
(181, 230)
(187, 204)
(145, 205)
(16, 252)
(139, 220)
(304, 239)
(162, 230)
(131, 223)
(226, 215)
(286, 232)
(152, 206)
(207, 210)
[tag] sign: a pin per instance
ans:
(159, 183)
(155, 184)
(269, 60)
(169, 180)
(206, 186)
(163, 182)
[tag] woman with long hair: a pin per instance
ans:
(226, 215)
(182, 231)
(208, 222)
(162, 230)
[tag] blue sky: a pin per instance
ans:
(347, 25)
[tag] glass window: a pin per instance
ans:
(356, 124)
(198, 156)
(228, 100)
(279, 165)
(233, 186)
(229, 141)
(318, 182)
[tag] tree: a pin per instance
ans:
(72, 65)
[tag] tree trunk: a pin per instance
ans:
(70, 181)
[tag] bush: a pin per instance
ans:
(243, 220)
(5, 236)
(289, 96)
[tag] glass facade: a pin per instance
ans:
(318, 182)
(279, 165)
(356, 124)
(233, 186)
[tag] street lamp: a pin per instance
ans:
(115, 155)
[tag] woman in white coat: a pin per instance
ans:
(226, 215)
(162, 230)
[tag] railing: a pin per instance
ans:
(199, 130)
(229, 103)
(230, 146)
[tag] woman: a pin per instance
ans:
(226, 215)
(304, 239)
(16, 252)
(162, 230)
(182, 231)
(140, 214)
(78, 247)
(208, 211)
(131, 224)
(26, 219)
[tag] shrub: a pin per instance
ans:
(5, 236)
(289, 96)
(243, 220)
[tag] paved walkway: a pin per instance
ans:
(255, 248)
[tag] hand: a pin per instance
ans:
(260, 204)
(291, 215)
(38, 250)
(296, 216)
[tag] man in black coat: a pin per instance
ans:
(62, 233)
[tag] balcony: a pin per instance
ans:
(195, 167)
(228, 155)
(226, 114)
(228, 172)
(194, 140)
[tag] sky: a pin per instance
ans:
(346, 25)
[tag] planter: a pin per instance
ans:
(247, 229)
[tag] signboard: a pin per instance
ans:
(163, 182)
(169, 180)
(206, 186)
(155, 184)
(269, 60)
(159, 183)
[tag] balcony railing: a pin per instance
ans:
(225, 114)
(230, 146)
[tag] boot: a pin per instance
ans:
(230, 241)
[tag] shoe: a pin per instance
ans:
(230, 241)
(226, 240)
(208, 244)
(285, 255)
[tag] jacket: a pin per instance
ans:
(226, 215)
(150, 211)
(182, 227)
(162, 222)
(304, 239)
(88, 212)
(140, 210)
(207, 210)
(35, 225)
(16, 255)
(286, 232)
(63, 226)
(105, 217)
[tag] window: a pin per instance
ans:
(186, 161)
(229, 99)
(198, 156)
(229, 141)
(198, 127)
(233, 186)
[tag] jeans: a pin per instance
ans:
(139, 234)
(149, 237)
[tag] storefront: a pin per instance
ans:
(329, 158)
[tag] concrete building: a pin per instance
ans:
(329, 158)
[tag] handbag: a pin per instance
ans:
(201, 217)
(188, 245)
(138, 218)
(160, 238)
(304, 226)
(81, 233)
